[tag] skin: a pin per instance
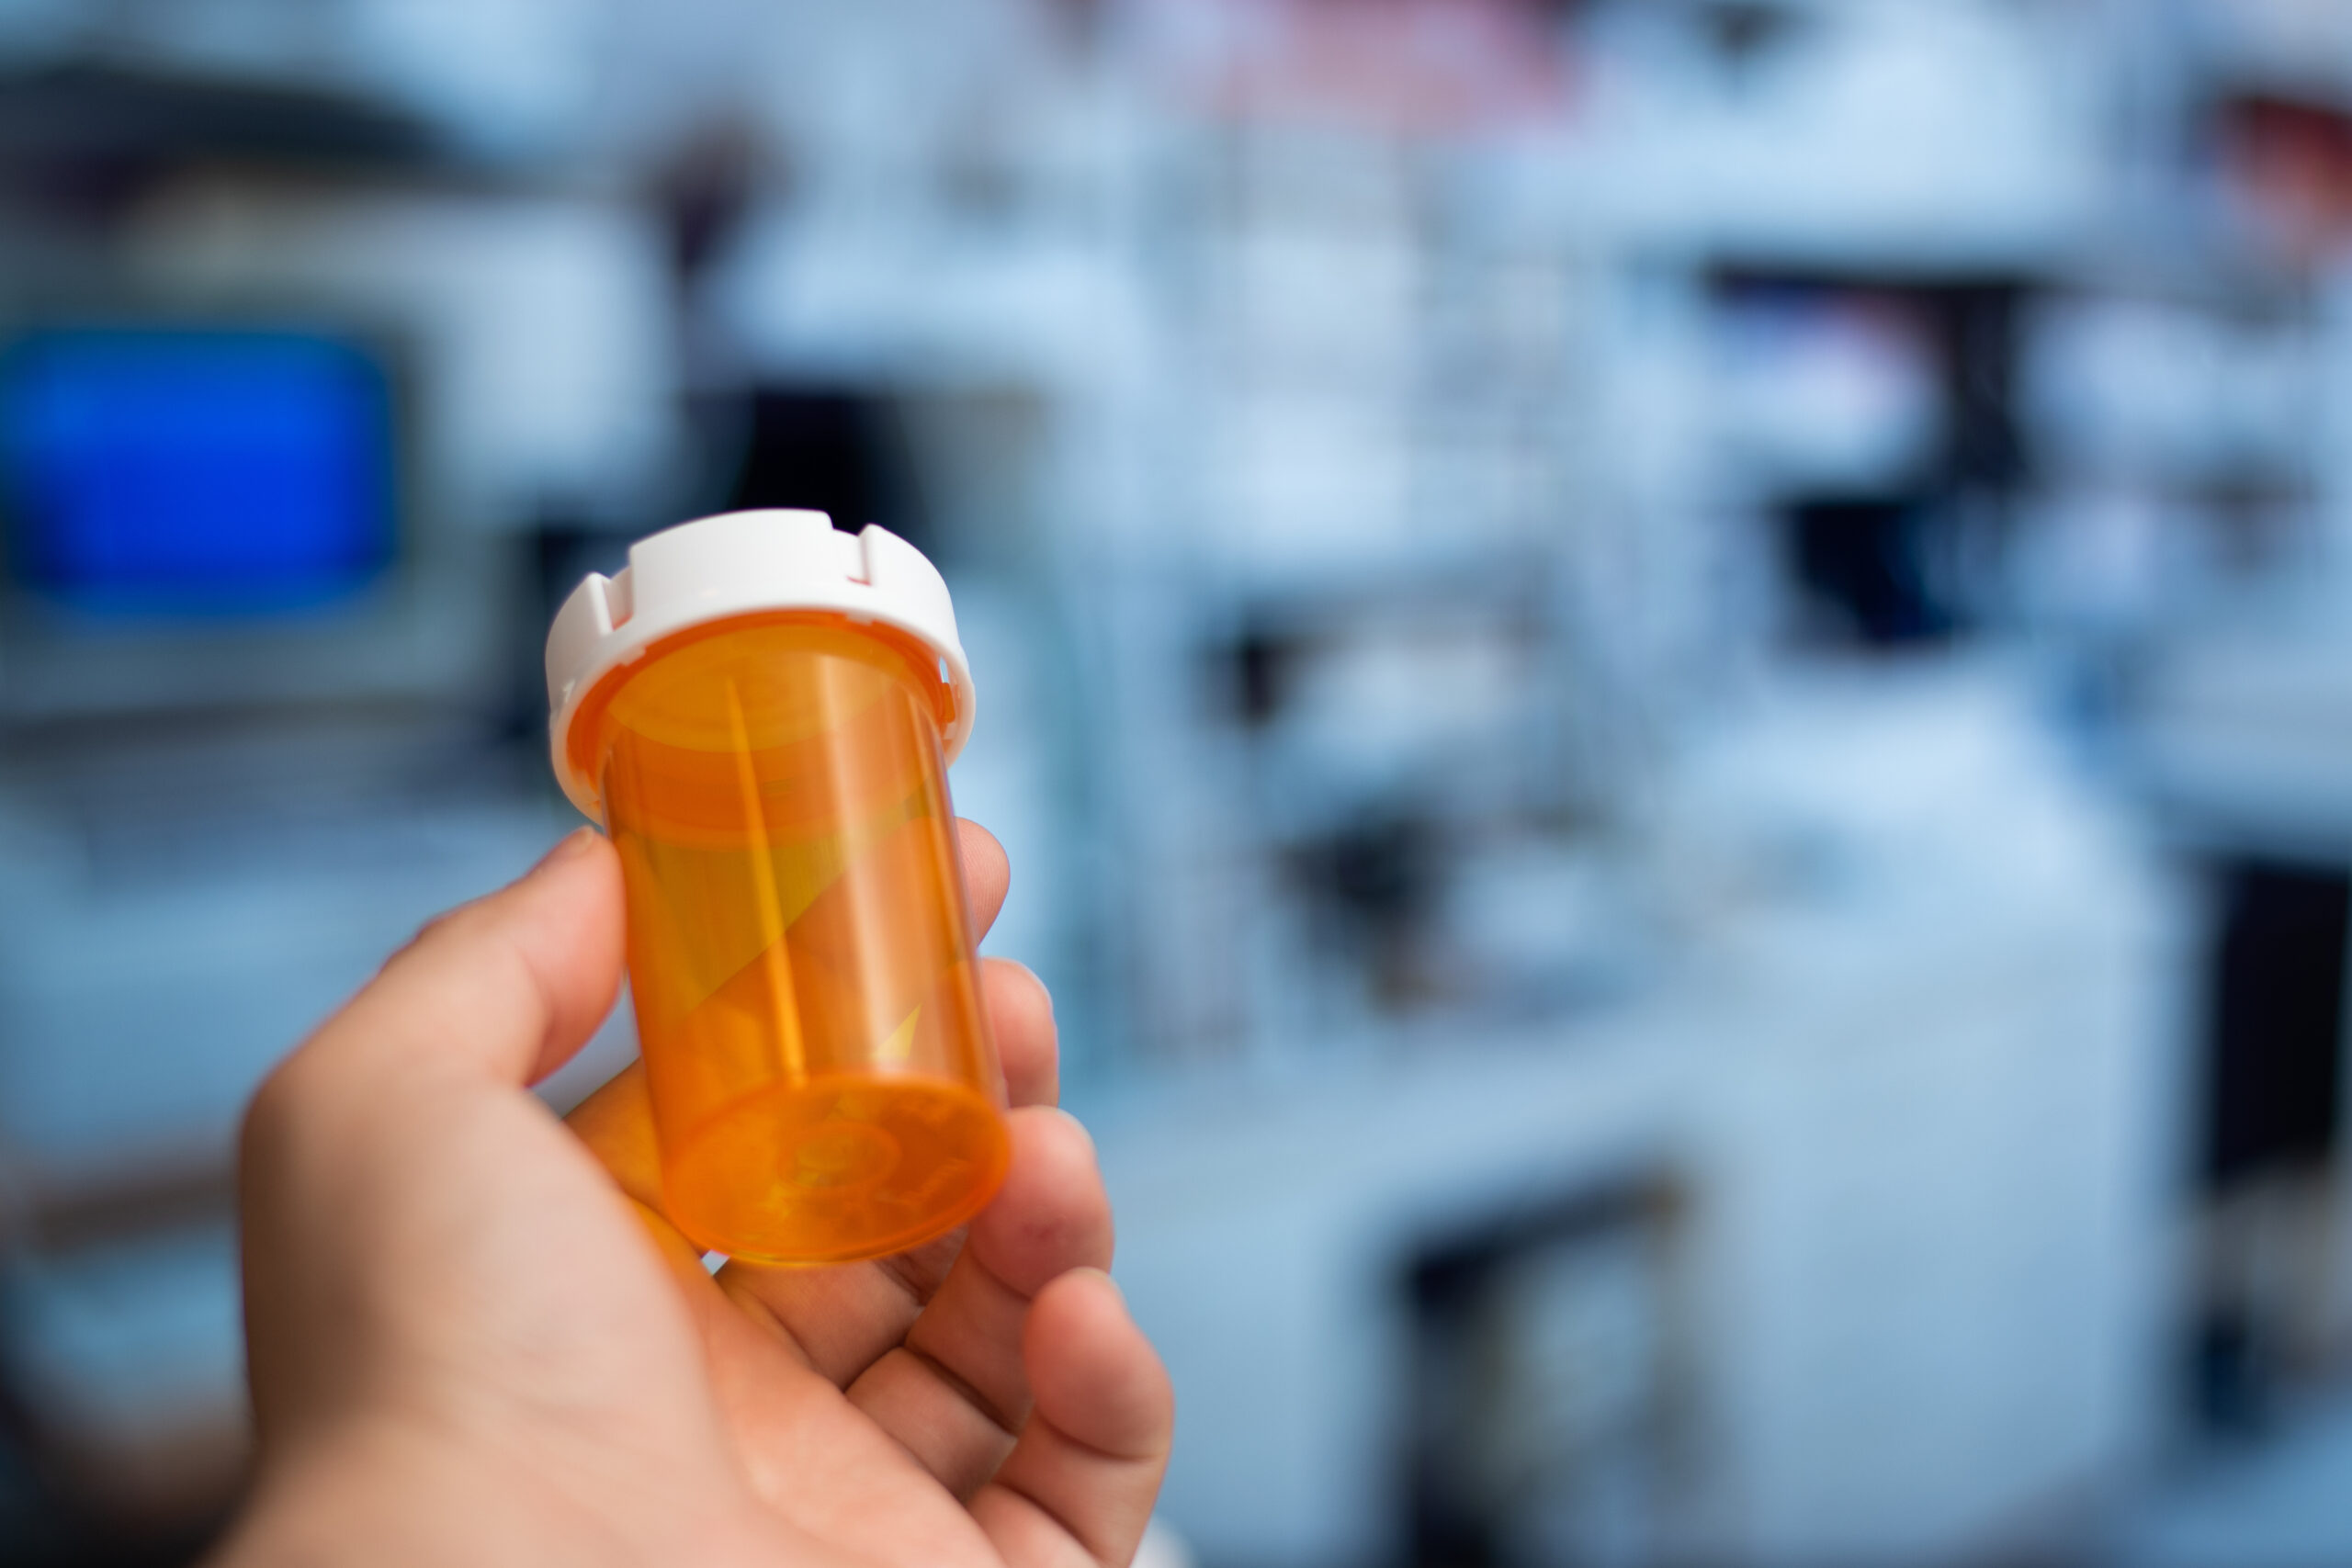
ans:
(474, 1339)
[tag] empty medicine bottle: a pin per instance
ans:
(760, 710)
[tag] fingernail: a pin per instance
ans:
(572, 844)
(1106, 1280)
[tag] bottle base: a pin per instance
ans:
(836, 1170)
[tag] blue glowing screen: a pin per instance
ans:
(192, 471)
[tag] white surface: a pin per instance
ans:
(1913, 1066)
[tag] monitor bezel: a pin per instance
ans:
(424, 629)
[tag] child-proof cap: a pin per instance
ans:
(742, 563)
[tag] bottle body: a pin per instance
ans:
(824, 1084)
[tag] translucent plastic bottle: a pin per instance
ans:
(760, 710)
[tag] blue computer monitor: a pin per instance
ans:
(195, 473)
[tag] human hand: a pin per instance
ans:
(473, 1338)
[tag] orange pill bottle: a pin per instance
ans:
(760, 710)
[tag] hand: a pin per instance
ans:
(474, 1339)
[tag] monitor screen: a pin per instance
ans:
(148, 472)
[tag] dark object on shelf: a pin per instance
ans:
(1373, 882)
(1975, 320)
(2233, 1384)
(1867, 562)
(2274, 1070)
(1902, 565)
(89, 136)
(1264, 666)
(838, 450)
(1547, 1421)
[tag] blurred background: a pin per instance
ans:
(1670, 681)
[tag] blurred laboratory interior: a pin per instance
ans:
(1670, 681)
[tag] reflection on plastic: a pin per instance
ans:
(824, 1087)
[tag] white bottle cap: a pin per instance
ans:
(742, 563)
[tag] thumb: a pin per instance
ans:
(354, 1142)
(507, 986)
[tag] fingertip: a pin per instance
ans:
(1052, 1213)
(581, 840)
(516, 980)
(570, 923)
(1094, 1375)
(987, 871)
(1021, 1015)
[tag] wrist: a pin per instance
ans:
(376, 1492)
(386, 1493)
